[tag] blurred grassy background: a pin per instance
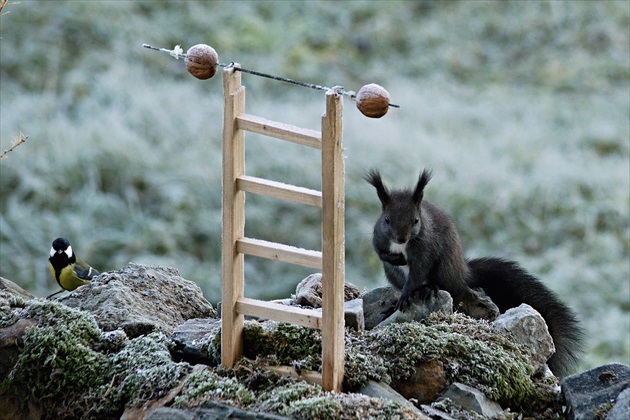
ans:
(520, 108)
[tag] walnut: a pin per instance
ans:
(373, 100)
(201, 61)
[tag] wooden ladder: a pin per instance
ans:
(331, 259)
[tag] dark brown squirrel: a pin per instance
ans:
(422, 252)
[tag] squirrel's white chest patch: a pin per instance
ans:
(396, 248)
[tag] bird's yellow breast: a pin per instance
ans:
(67, 278)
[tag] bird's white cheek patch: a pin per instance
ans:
(69, 252)
(52, 251)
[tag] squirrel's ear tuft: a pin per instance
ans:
(374, 177)
(423, 180)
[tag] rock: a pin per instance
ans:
(621, 409)
(528, 327)
(471, 399)
(382, 390)
(435, 414)
(193, 341)
(209, 410)
(140, 299)
(112, 341)
(441, 302)
(353, 314)
(11, 342)
(376, 302)
(12, 288)
(425, 384)
(309, 291)
(589, 393)
(477, 305)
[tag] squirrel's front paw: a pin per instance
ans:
(394, 259)
(421, 294)
(404, 303)
(425, 292)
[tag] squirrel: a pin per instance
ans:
(421, 252)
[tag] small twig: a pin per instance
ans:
(16, 142)
(4, 3)
(111, 385)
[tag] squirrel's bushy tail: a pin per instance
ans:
(509, 285)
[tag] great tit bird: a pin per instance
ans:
(68, 271)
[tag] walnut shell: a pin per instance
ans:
(373, 100)
(201, 61)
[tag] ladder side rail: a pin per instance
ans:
(333, 244)
(233, 223)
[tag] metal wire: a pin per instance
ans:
(337, 89)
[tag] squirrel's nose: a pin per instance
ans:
(401, 239)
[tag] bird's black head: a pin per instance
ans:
(60, 244)
(61, 251)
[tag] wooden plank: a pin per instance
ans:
(280, 252)
(233, 224)
(279, 190)
(278, 130)
(333, 244)
(278, 312)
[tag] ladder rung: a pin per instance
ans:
(279, 190)
(280, 252)
(279, 130)
(279, 312)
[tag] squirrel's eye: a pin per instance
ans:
(417, 219)
(387, 220)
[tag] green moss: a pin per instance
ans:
(314, 408)
(364, 407)
(57, 365)
(207, 385)
(480, 358)
(9, 302)
(287, 344)
(65, 372)
(472, 353)
(70, 368)
(143, 371)
(278, 399)
(362, 365)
